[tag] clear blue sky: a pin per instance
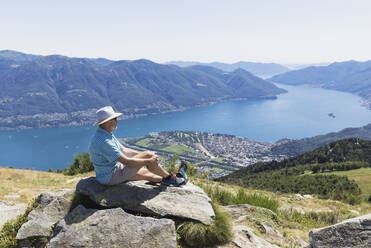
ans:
(283, 31)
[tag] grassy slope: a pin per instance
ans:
(291, 218)
(28, 184)
(361, 176)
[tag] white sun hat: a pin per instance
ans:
(105, 114)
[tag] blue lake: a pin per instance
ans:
(302, 112)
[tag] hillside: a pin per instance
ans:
(304, 173)
(41, 91)
(296, 147)
(283, 220)
(350, 76)
(259, 69)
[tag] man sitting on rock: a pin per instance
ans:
(115, 164)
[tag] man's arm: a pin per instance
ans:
(128, 152)
(133, 153)
(135, 161)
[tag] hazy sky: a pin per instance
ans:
(283, 31)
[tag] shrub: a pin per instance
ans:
(81, 164)
(200, 235)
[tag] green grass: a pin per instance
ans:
(220, 160)
(310, 219)
(143, 142)
(177, 149)
(200, 235)
(361, 176)
(218, 169)
(225, 197)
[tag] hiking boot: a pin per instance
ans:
(182, 171)
(172, 180)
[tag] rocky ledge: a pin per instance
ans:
(58, 222)
(186, 202)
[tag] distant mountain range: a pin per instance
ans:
(350, 76)
(41, 91)
(263, 70)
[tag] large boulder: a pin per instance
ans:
(112, 228)
(188, 201)
(50, 210)
(355, 233)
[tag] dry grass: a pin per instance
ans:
(28, 183)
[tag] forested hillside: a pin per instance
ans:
(301, 174)
(296, 147)
(40, 91)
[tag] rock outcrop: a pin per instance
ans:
(51, 209)
(112, 228)
(188, 201)
(355, 233)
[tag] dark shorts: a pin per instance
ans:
(124, 175)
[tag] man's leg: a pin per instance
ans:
(144, 174)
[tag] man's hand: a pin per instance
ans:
(153, 160)
(149, 153)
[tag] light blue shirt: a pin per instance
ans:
(104, 150)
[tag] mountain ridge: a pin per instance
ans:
(348, 76)
(55, 90)
(256, 68)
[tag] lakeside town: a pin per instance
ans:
(215, 154)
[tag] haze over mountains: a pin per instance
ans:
(350, 76)
(39, 91)
(263, 70)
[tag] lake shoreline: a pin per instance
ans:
(302, 112)
(133, 115)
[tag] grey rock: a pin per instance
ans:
(51, 209)
(112, 228)
(240, 212)
(245, 238)
(188, 201)
(9, 210)
(355, 233)
(270, 230)
(12, 196)
(302, 243)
